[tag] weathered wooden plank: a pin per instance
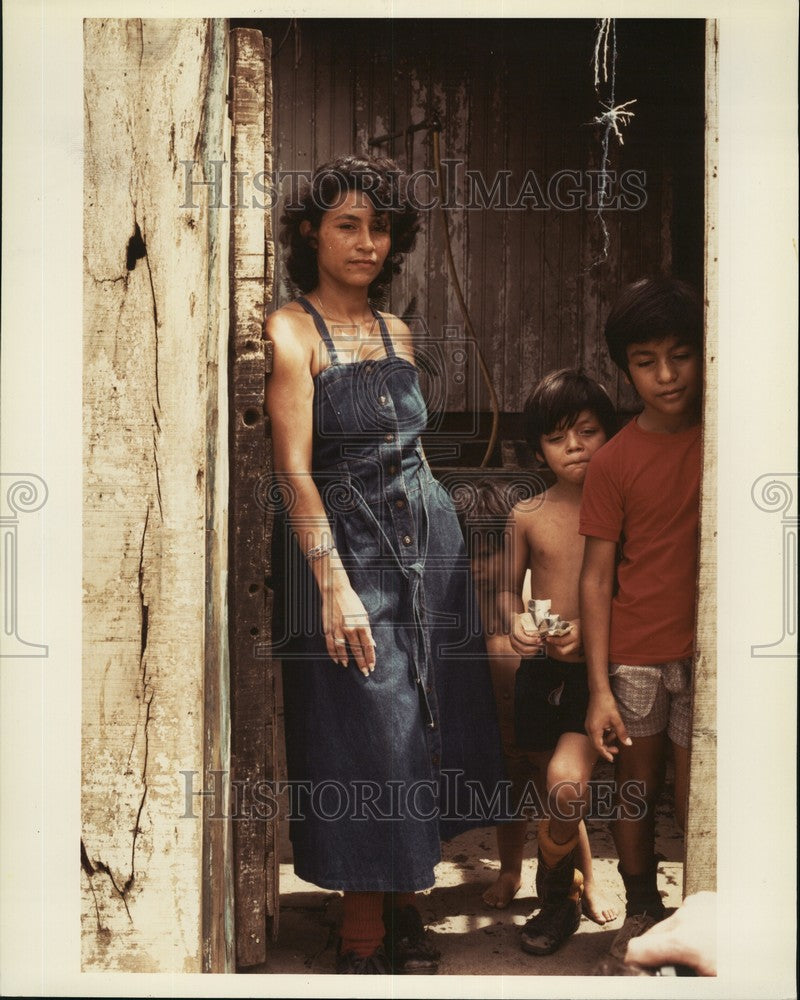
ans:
(552, 249)
(465, 389)
(149, 286)
(571, 334)
(269, 166)
(252, 705)
(700, 871)
(494, 229)
(340, 90)
(545, 316)
(403, 111)
(414, 284)
(323, 65)
(283, 131)
(218, 889)
(508, 345)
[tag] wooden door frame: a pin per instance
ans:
(252, 680)
(700, 857)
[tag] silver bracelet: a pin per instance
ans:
(318, 551)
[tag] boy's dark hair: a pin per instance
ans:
(485, 517)
(380, 181)
(559, 399)
(652, 309)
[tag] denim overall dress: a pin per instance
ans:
(381, 767)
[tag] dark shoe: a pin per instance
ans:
(406, 943)
(376, 964)
(634, 925)
(550, 928)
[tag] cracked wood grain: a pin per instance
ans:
(150, 372)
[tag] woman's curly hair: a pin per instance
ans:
(380, 180)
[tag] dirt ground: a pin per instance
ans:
(473, 939)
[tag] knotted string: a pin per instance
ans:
(613, 116)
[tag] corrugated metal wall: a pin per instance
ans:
(512, 96)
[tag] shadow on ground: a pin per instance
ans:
(474, 939)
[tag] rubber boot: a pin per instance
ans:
(559, 886)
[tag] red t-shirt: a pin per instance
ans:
(643, 489)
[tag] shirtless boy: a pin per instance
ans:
(568, 418)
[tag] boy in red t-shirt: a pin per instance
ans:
(641, 496)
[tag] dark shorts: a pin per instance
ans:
(550, 699)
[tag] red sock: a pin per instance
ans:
(362, 922)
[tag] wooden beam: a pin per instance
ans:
(700, 870)
(218, 889)
(252, 681)
(150, 459)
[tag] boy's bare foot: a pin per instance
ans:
(504, 889)
(596, 906)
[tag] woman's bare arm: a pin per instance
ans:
(289, 399)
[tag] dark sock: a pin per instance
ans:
(399, 900)
(641, 893)
(362, 922)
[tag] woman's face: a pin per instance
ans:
(352, 241)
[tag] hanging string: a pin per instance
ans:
(603, 28)
(612, 117)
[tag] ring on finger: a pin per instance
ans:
(340, 642)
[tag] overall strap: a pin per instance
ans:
(319, 322)
(387, 340)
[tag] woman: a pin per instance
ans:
(384, 672)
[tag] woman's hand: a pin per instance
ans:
(290, 392)
(346, 625)
(523, 641)
(564, 645)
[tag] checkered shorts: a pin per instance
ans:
(654, 698)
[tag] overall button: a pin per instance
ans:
(435, 759)
(382, 400)
(406, 539)
(392, 470)
(389, 438)
(400, 504)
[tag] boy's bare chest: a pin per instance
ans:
(554, 542)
